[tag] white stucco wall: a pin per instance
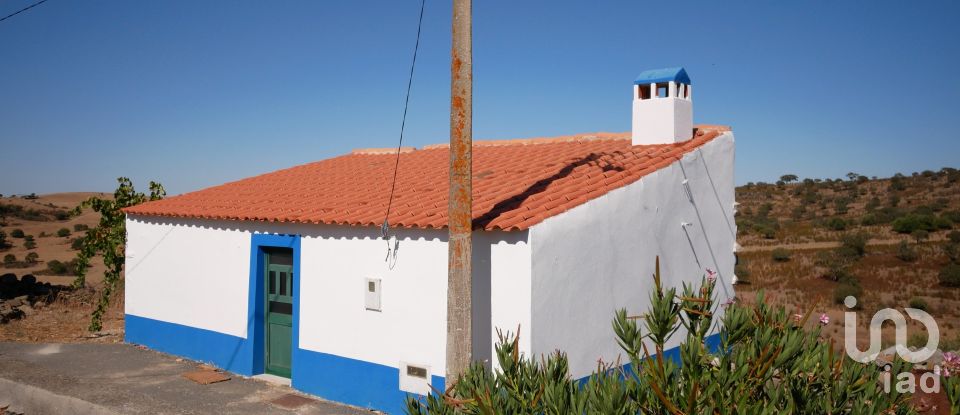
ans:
(196, 273)
(599, 257)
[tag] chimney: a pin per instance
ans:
(662, 107)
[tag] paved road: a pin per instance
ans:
(122, 379)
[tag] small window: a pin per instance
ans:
(643, 91)
(662, 90)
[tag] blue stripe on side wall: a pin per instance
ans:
(353, 382)
(222, 350)
(336, 378)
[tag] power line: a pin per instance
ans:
(406, 103)
(23, 10)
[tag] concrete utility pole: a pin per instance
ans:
(460, 204)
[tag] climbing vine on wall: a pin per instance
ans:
(108, 239)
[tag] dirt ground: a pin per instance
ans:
(67, 317)
(50, 247)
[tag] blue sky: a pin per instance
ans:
(197, 93)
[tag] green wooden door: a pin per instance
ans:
(279, 313)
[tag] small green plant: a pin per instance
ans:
(906, 252)
(3, 240)
(29, 242)
(76, 244)
(80, 227)
(950, 275)
(919, 303)
(16, 233)
(781, 255)
(32, 258)
(9, 259)
(63, 232)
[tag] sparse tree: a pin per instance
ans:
(920, 235)
(788, 178)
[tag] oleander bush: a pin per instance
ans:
(768, 363)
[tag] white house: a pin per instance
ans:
(287, 273)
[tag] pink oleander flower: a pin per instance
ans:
(951, 363)
(824, 319)
(711, 275)
(729, 302)
(797, 318)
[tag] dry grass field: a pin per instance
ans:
(800, 245)
(66, 316)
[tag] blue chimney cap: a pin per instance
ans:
(655, 76)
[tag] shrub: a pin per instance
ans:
(952, 216)
(29, 243)
(954, 237)
(63, 232)
(920, 235)
(919, 304)
(80, 227)
(855, 244)
(781, 254)
(76, 244)
(906, 253)
(950, 275)
(835, 264)
(56, 267)
(913, 221)
(9, 259)
(62, 215)
(3, 240)
(32, 258)
(741, 271)
(768, 364)
(952, 251)
(17, 233)
(836, 224)
(843, 290)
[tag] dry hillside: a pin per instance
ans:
(892, 242)
(38, 243)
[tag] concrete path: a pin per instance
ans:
(123, 379)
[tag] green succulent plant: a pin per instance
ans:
(767, 362)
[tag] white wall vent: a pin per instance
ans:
(415, 378)
(371, 290)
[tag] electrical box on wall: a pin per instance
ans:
(415, 378)
(372, 294)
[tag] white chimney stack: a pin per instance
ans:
(662, 107)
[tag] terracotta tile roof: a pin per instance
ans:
(516, 183)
